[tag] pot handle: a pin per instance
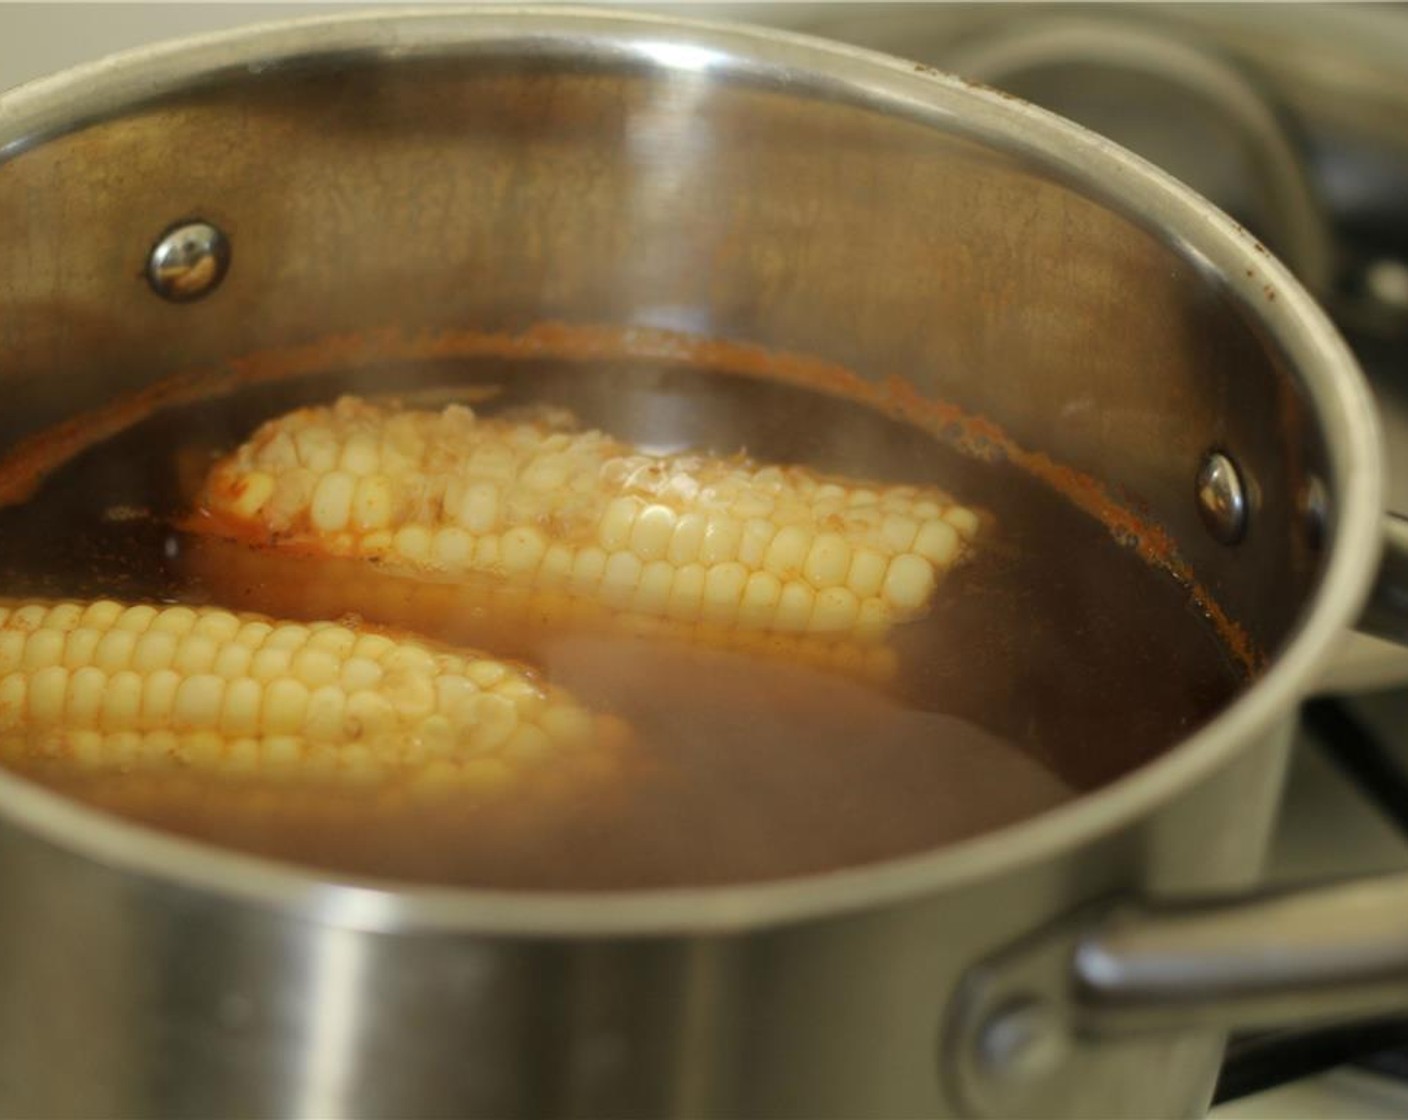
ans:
(1386, 615)
(1037, 1028)
(1325, 953)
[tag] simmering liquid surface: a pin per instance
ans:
(1052, 662)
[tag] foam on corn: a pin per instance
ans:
(104, 686)
(685, 539)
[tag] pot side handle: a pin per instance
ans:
(1319, 953)
(1386, 615)
(1044, 1026)
(1332, 952)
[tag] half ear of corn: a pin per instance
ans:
(683, 539)
(103, 686)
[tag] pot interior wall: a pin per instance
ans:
(669, 188)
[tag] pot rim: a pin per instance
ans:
(1115, 177)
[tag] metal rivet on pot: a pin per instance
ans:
(1222, 498)
(188, 261)
(1022, 1041)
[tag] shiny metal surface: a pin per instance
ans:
(1331, 952)
(1222, 500)
(1293, 957)
(403, 176)
(188, 261)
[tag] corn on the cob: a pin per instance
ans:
(685, 539)
(103, 686)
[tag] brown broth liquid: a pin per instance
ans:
(1052, 663)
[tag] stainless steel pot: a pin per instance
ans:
(396, 177)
